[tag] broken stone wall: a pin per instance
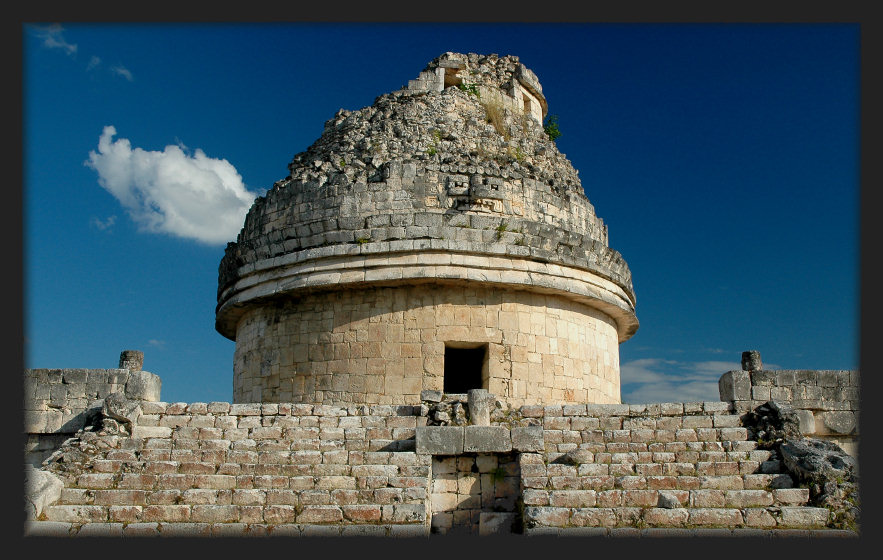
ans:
(826, 401)
(59, 402)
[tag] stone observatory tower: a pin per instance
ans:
(436, 240)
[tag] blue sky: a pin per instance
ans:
(723, 157)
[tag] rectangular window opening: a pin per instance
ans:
(451, 77)
(466, 366)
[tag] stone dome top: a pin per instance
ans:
(457, 162)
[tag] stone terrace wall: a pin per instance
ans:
(611, 469)
(59, 402)
(297, 469)
(826, 401)
(217, 468)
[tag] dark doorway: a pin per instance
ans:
(464, 368)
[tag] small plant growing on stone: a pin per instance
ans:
(363, 240)
(436, 138)
(495, 116)
(551, 127)
(498, 474)
(501, 229)
(471, 89)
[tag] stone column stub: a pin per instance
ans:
(751, 361)
(480, 402)
(132, 360)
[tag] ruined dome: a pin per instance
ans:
(442, 217)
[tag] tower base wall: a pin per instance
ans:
(384, 345)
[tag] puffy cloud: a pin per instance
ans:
(190, 196)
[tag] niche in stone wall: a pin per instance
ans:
(475, 494)
(466, 367)
(451, 77)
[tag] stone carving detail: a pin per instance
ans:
(476, 193)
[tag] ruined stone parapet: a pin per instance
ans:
(448, 186)
(825, 401)
(59, 402)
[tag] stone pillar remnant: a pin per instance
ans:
(132, 360)
(479, 401)
(751, 361)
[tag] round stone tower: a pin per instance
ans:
(436, 240)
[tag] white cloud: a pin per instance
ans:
(190, 196)
(651, 380)
(642, 371)
(668, 391)
(104, 225)
(53, 39)
(93, 62)
(123, 71)
(713, 367)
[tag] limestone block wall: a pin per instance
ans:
(475, 494)
(656, 469)
(59, 402)
(826, 401)
(295, 469)
(386, 345)
(470, 204)
(216, 468)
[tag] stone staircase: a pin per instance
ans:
(627, 468)
(252, 469)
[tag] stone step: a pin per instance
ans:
(678, 498)
(190, 529)
(771, 517)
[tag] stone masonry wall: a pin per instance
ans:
(59, 402)
(217, 468)
(826, 401)
(296, 469)
(386, 345)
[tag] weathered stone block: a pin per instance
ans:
(839, 422)
(735, 386)
(76, 513)
(320, 514)
(487, 439)
(807, 517)
(440, 440)
(143, 385)
(715, 516)
(791, 496)
(665, 517)
(748, 498)
(546, 516)
(527, 438)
